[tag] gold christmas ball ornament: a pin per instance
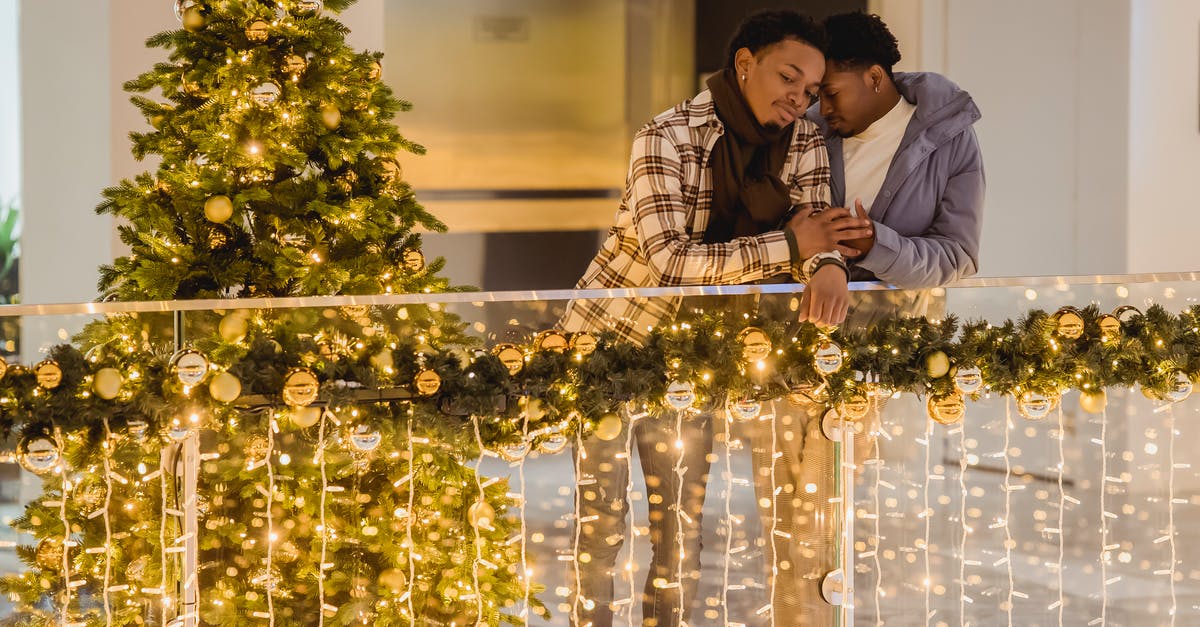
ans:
(300, 387)
(511, 356)
(49, 553)
(391, 171)
(583, 343)
(946, 410)
(3, 367)
(414, 260)
(608, 428)
(265, 94)
(1126, 313)
(756, 344)
(481, 515)
(190, 367)
(293, 64)
(178, 430)
(39, 454)
(234, 326)
(331, 116)
(1070, 323)
(225, 388)
(218, 209)
(256, 448)
(137, 429)
(49, 374)
(1093, 402)
(554, 441)
(968, 379)
(515, 451)
(551, 341)
(680, 395)
(745, 410)
(376, 71)
(855, 408)
(427, 382)
(1180, 387)
(827, 357)
(364, 437)
(193, 19)
(305, 417)
(107, 382)
(307, 8)
(157, 121)
(257, 32)
(1034, 405)
(393, 580)
(937, 364)
(1110, 327)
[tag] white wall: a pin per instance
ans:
(10, 103)
(1050, 78)
(1164, 119)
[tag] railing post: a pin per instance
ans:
(186, 474)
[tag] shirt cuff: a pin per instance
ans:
(884, 253)
(777, 255)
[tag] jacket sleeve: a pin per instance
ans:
(654, 196)
(949, 249)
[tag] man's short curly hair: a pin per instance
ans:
(859, 40)
(767, 28)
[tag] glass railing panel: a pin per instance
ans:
(278, 480)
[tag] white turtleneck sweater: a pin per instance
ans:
(869, 154)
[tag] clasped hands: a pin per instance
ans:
(826, 298)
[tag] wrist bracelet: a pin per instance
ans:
(810, 265)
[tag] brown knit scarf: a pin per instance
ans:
(748, 196)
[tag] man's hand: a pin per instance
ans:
(826, 298)
(863, 244)
(823, 232)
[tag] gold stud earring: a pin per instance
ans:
(743, 78)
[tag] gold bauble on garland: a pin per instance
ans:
(49, 374)
(225, 388)
(756, 344)
(608, 428)
(946, 410)
(481, 515)
(107, 382)
(1093, 402)
(937, 364)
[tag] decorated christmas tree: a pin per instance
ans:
(279, 174)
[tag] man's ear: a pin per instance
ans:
(742, 60)
(875, 76)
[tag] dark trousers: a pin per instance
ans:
(675, 482)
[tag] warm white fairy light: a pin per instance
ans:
(108, 488)
(630, 532)
(320, 459)
(270, 576)
(679, 514)
(728, 514)
(962, 521)
(1104, 547)
(579, 456)
(408, 522)
(66, 541)
(1008, 541)
(925, 513)
(162, 533)
(1171, 506)
(477, 521)
(774, 513)
(1062, 503)
(526, 575)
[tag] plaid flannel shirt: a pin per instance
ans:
(657, 237)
